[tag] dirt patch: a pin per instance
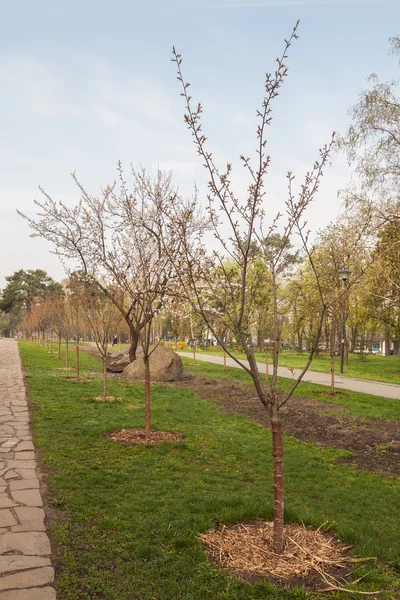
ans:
(309, 420)
(311, 558)
(135, 437)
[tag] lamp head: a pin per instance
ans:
(344, 274)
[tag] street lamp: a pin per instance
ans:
(343, 276)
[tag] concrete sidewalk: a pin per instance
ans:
(25, 568)
(374, 388)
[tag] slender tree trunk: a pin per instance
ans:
(59, 347)
(266, 366)
(105, 377)
(77, 358)
(346, 350)
(147, 395)
(387, 341)
(224, 360)
(332, 373)
(66, 353)
(51, 343)
(277, 455)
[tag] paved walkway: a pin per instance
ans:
(25, 569)
(374, 388)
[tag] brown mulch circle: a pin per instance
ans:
(311, 558)
(370, 439)
(136, 437)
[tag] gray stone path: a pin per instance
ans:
(25, 568)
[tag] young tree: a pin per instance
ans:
(101, 314)
(97, 232)
(116, 241)
(225, 294)
(59, 318)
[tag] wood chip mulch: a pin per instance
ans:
(135, 437)
(311, 558)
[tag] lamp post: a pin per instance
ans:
(343, 276)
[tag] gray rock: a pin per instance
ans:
(117, 361)
(165, 365)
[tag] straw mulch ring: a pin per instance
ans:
(311, 559)
(134, 437)
(75, 380)
(107, 398)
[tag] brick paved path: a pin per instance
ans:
(25, 569)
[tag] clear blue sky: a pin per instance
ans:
(85, 84)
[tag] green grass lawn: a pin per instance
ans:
(371, 367)
(130, 515)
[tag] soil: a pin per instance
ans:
(375, 443)
(135, 437)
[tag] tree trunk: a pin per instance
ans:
(387, 341)
(224, 360)
(147, 395)
(59, 347)
(77, 359)
(51, 343)
(300, 341)
(277, 455)
(396, 347)
(66, 353)
(332, 373)
(353, 339)
(105, 377)
(134, 342)
(266, 366)
(261, 336)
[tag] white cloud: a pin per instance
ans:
(317, 133)
(241, 119)
(186, 170)
(28, 81)
(141, 97)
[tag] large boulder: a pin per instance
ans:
(117, 361)
(165, 365)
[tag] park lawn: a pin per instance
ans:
(129, 516)
(360, 405)
(370, 367)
